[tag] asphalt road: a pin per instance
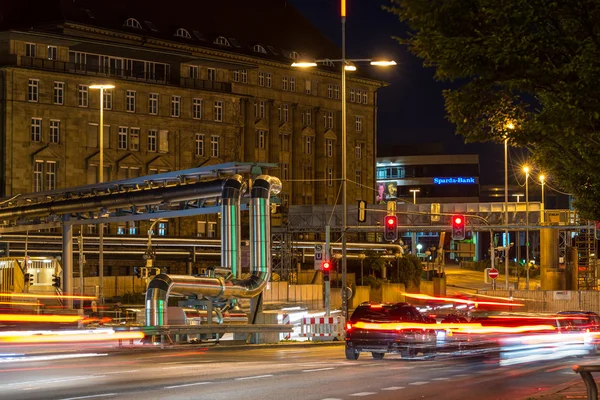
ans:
(319, 372)
(465, 281)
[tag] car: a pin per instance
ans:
(586, 321)
(381, 328)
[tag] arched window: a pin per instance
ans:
(222, 41)
(183, 33)
(133, 23)
(294, 55)
(259, 49)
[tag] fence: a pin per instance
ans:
(322, 327)
(550, 301)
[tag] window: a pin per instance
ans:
(308, 118)
(359, 150)
(193, 72)
(52, 53)
(183, 33)
(50, 175)
(212, 74)
(330, 91)
(285, 142)
(236, 75)
(259, 109)
(153, 103)
(134, 139)
(358, 178)
(308, 143)
(121, 228)
(175, 106)
(330, 176)
(30, 49)
(336, 91)
(201, 228)
(33, 90)
(329, 147)
(285, 169)
(126, 172)
(328, 119)
(261, 79)
(82, 95)
(212, 229)
(260, 139)
(130, 107)
(222, 41)
(292, 84)
(123, 137)
(259, 49)
(197, 109)
(108, 99)
(286, 112)
(162, 229)
(365, 97)
(163, 141)
(133, 23)
(38, 176)
(54, 131)
(307, 87)
(352, 96)
(244, 74)
(59, 92)
(214, 145)
(218, 111)
(294, 55)
(133, 227)
(199, 145)
(285, 83)
(359, 124)
(269, 80)
(36, 129)
(152, 134)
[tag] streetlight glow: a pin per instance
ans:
(304, 64)
(350, 68)
(510, 125)
(383, 63)
(526, 169)
(102, 86)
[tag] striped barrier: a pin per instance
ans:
(286, 321)
(322, 327)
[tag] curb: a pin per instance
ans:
(555, 391)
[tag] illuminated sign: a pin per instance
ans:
(452, 181)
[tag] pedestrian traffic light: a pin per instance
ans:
(458, 227)
(28, 279)
(137, 272)
(391, 228)
(326, 268)
(56, 281)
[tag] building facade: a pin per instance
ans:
(192, 88)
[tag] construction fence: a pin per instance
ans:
(550, 301)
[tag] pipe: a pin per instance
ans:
(215, 288)
(231, 258)
(120, 200)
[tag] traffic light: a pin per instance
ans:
(326, 267)
(137, 272)
(28, 279)
(56, 281)
(458, 227)
(391, 228)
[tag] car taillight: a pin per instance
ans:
(348, 326)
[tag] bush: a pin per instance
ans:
(373, 282)
(408, 271)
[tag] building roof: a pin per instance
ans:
(273, 24)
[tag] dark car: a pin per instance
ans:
(381, 328)
(586, 321)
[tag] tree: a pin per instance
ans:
(529, 65)
(374, 260)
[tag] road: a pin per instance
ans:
(316, 372)
(465, 281)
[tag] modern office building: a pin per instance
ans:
(428, 178)
(196, 83)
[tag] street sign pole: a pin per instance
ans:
(327, 282)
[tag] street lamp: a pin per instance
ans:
(543, 205)
(526, 170)
(518, 196)
(100, 180)
(362, 257)
(510, 126)
(414, 192)
(345, 67)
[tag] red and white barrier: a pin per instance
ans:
(322, 327)
(286, 320)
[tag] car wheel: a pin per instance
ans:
(378, 356)
(352, 354)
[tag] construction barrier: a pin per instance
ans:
(286, 321)
(322, 327)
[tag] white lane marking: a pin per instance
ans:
(91, 396)
(331, 398)
(186, 384)
(50, 357)
(419, 383)
(252, 377)
(393, 388)
(440, 379)
(318, 369)
(363, 394)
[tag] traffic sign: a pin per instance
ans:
(493, 273)
(318, 256)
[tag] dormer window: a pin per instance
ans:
(222, 41)
(133, 23)
(328, 63)
(259, 49)
(294, 55)
(183, 33)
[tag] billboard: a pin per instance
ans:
(386, 191)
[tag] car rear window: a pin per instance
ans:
(386, 312)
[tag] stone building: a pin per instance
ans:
(196, 83)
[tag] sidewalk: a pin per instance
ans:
(574, 389)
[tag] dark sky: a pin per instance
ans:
(411, 109)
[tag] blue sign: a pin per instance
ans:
(452, 181)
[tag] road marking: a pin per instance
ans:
(331, 398)
(91, 396)
(186, 384)
(393, 388)
(121, 372)
(360, 394)
(252, 377)
(460, 375)
(440, 379)
(318, 369)
(401, 368)
(419, 383)
(175, 367)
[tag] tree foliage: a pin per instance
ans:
(408, 270)
(533, 65)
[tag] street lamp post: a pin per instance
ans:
(414, 192)
(100, 180)
(362, 256)
(543, 206)
(506, 209)
(526, 170)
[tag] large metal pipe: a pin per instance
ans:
(230, 224)
(162, 285)
(119, 200)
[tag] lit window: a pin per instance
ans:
(134, 139)
(199, 144)
(162, 229)
(54, 131)
(133, 227)
(183, 33)
(133, 23)
(222, 41)
(59, 93)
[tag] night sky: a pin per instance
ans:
(411, 109)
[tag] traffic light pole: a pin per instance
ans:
(326, 274)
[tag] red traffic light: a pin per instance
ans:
(326, 266)
(391, 221)
(458, 220)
